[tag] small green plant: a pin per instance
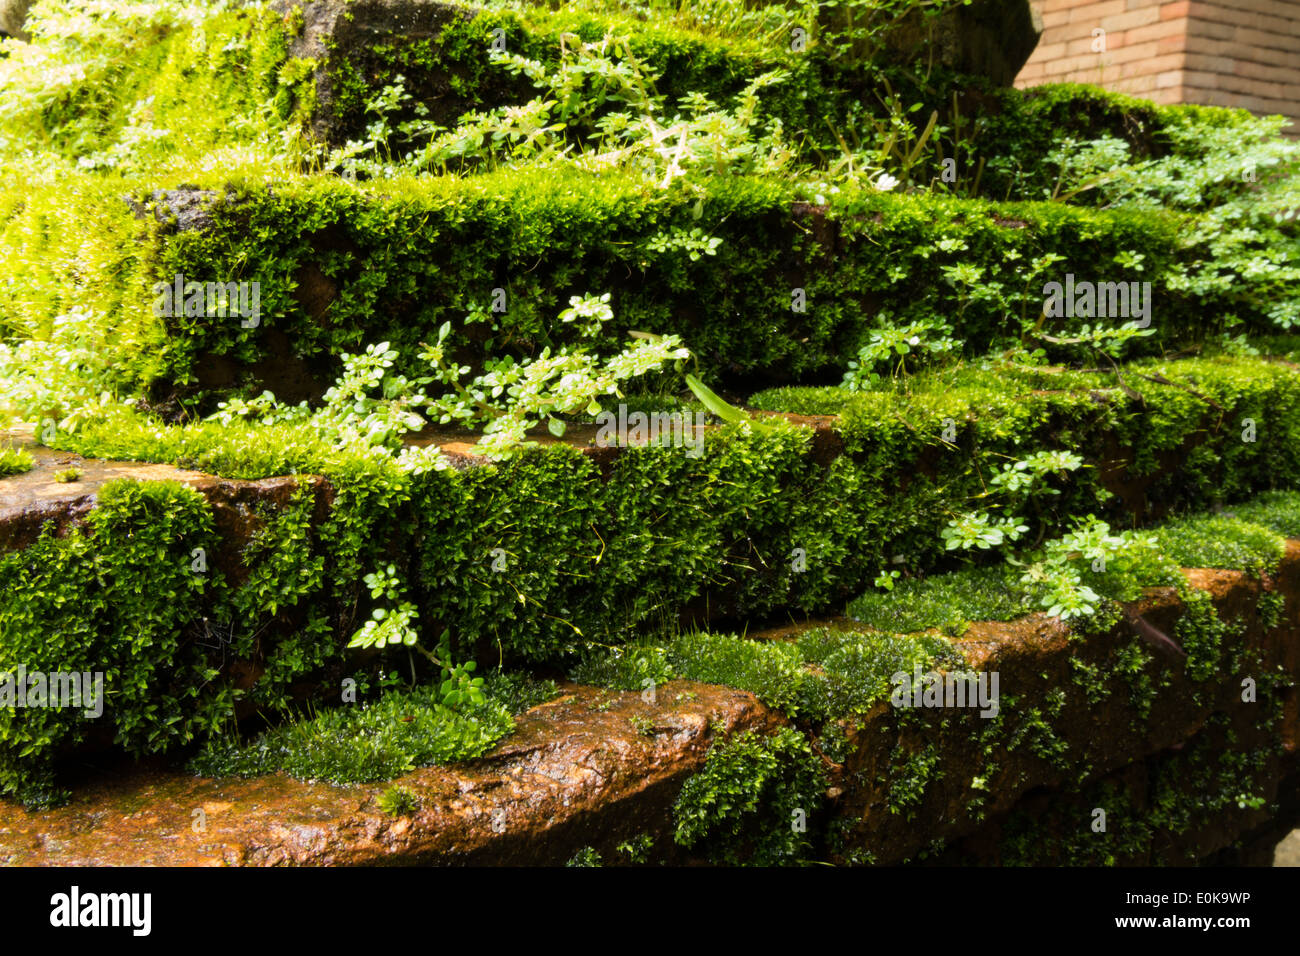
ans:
(637, 849)
(891, 344)
(753, 800)
(398, 802)
(67, 475)
(15, 461)
(644, 725)
(587, 856)
(395, 624)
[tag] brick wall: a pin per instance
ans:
(1219, 52)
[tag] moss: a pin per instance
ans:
(1150, 822)
(362, 743)
(769, 669)
(1271, 606)
(114, 595)
(398, 802)
(945, 601)
(1216, 541)
(1202, 634)
(1278, 511)
(910, 774)
(634, 666)
(850, 670)
(754, 801)
(856, 670)
(519, 691)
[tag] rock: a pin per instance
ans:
(348, 29)
(185, 207)
(570, 776)
(13, 16)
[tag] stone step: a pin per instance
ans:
(595, 768)
(533, 558)
(788, 295)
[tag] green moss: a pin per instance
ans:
(398, 802)
(635, 666)
(361, 743)
(1278, 511)
(1177, 795)
(851, 669)
(1271, 606)
(1217, 541)
(910, 774)
(1202, 634)
(769, 669)
(949, 602)
(115, 595)
(754, 801)
(519, 691)
(235, 450)
(856, 669)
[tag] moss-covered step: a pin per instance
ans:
(1075, 709)
(536, 557)
(677, 771)
(1165, 434)
(790, 290)
(442, 52)
(949, 745)
(592, 774)
(230, 76)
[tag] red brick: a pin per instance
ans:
(1270, 72)
(1152, 65)
(1165, 97)
(1084, 45)
(1137, 84)
(1209, 64)
(1231, 11)
(1131, 19)
(1205, 28)
(1053, 52)
(1068, 64)
(1155, 31)
(1169, 78)
(1175, 11)
(1262, 39)
(1127, 54)
(1174, 44)
(1095, 12)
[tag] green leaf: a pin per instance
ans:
(711, 401)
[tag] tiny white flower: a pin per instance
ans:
(885, 182)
